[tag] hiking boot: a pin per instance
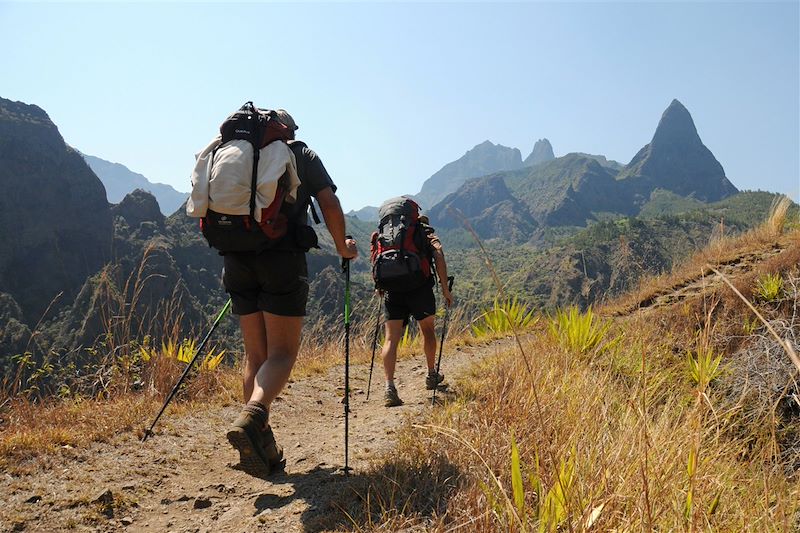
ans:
(433, 380)
(245, 435)
(272, 450)
(390, 398)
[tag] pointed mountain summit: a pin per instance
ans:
(542, 153)
(482, 160)
(677, 160)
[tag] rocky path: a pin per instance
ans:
(184, 479)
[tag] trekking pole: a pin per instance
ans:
(450, 280)
(346, 270)
(188, 369)
(374, 346)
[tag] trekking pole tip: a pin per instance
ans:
(345, 470)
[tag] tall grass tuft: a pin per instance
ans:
(503, 317)
(704, 368)
(580, 332)
(183, 352)
(778, 211)
(769, 287)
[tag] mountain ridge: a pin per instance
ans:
(577, 189)
(119, 180)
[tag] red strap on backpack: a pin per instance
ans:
(273, 223)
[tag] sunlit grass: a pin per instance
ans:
(580, 332)
(769, 287)
(503, 318)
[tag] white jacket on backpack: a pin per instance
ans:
(224, 187)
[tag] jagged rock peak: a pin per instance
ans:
(676, 125)
(542, 153)
(676, 160)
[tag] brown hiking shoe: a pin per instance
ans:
(433, 380)
(245, 435)
(390, 398)
(272, 450)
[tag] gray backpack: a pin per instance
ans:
(399, 249)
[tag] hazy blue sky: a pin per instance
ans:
(388, 93)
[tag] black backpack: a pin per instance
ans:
(399, 249)
(243, 233)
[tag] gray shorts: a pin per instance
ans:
(274, 281)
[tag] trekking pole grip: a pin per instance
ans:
(450, 280)
(345, 261)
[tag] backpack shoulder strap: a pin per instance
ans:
(424, 242)
(297, 146)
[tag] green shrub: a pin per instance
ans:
(704, 368)
(769, 288)
(503, 318)
(580, 332)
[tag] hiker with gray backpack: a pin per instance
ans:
(252, 188)
(405, 252)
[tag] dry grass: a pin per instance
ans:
(643, 436)
(630, 434)
(33, 430)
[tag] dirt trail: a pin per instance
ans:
(697, 285)
(184, 478)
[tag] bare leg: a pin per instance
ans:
(284, 343)
(394, 332)
(427, 326)
(255, 347)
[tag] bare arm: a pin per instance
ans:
(334, 220)
(441, 268)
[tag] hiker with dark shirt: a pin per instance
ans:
(419, 303)
(269, 291)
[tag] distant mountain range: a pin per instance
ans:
(119, 181)
(576, 189)
(481, 160)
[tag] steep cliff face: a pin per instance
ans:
(676, 160)
(55, 222)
